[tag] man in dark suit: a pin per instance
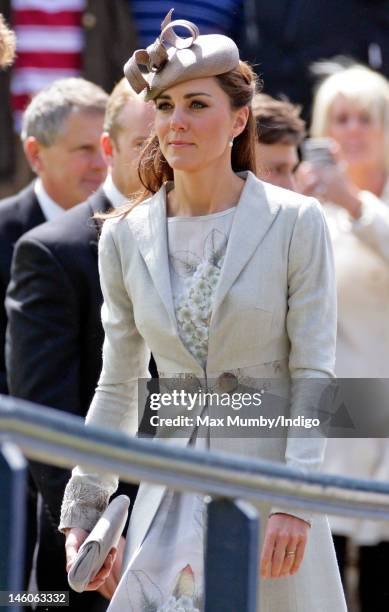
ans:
(61, 135)
(61, 138)
(54, 337)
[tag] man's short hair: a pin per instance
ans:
(7, 44)
(121, 94)
(277, 121)
(45, 116)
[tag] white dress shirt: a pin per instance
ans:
(113, 194)
(51, 210)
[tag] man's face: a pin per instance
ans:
(276, 164)
(72, 168)
(136, 120)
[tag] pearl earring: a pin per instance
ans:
(231, 142)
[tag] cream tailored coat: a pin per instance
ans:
(274, 316)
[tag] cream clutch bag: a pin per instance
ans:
(94, 550)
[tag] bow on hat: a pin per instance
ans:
(155, 56)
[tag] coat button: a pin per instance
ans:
(191, 384)
(88, 20)
(228, 382)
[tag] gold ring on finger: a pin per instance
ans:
(290, 553)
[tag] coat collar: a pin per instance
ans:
(149, 227)
(253, 218)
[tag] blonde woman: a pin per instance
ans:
(225, 279)
(352, 108)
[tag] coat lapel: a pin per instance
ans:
(253, 218)
(148, 225)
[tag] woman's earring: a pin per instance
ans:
(231, 141)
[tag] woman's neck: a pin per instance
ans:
(366, 178)
(203, 192)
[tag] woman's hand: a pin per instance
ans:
(329, 183)
(109, 587)
(74, 539)
(285, 534)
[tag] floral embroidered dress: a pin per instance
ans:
(166, 573)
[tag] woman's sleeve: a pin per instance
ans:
(311, 327)
(372, 227)
(115, 403)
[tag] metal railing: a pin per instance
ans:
(61, 439)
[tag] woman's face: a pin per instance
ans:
(359, 135)
(194, 124)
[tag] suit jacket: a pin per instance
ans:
(110, 38)
(53, 354)
(54, 335)
(282, 39)
(18, 214)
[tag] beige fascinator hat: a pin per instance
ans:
(172, 59)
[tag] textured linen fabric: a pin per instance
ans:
(273, 315)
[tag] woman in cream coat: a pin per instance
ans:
(225, 279)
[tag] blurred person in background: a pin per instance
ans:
(7, 44)
(55, 335)
(282, 39)
(55, 40)
(352, 108)
(61, 140)
(280, 131)
(61, 134)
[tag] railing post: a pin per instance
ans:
(231, 562)
(12, 517)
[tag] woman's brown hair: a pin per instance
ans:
(240, 86)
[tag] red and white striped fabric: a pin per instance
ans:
(50, 41)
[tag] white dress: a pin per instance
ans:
(166, 572)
